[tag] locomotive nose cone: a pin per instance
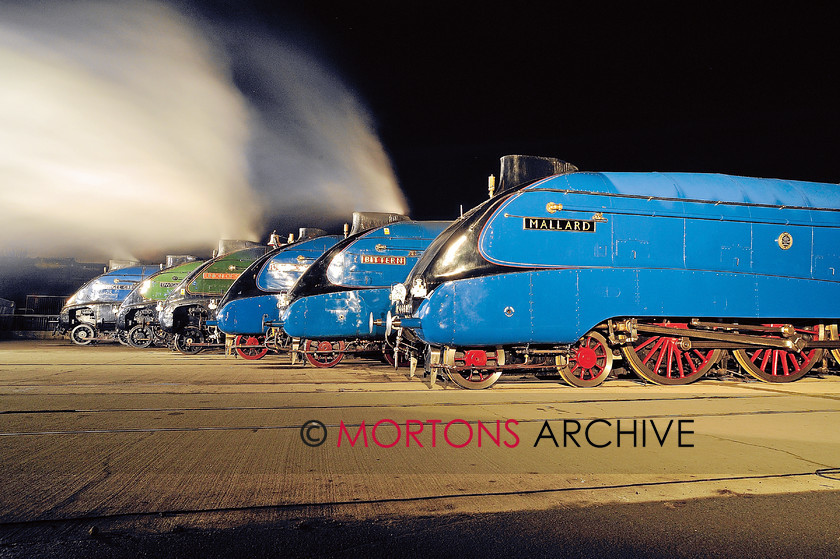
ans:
(222, 318)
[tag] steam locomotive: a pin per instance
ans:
(334, 303)
(137, 315)
(91, 311)
(251, 308)
(187, 310)
(567, 270)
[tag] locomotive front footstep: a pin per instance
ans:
(562, 269)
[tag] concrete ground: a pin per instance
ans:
(109, 451)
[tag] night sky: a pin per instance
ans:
(453, 87)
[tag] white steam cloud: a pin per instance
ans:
(122, 133)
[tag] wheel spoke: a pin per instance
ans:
(666, 363)
(679, 355)
(653, 350)
(324, 354)
(767, 354)
(779, 365)
(794, 362)
(589, 363)
(661, 355)
(473, 379)
(640, 347)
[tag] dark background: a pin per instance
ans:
(746, 89)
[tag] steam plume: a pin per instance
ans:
(122, 133)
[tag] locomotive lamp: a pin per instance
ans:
(398, 293)
(418, 288)
(213, 304)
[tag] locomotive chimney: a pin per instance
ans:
(310, 233)
(363, 221)
(176, 259)
(519, 169)
(227, 246)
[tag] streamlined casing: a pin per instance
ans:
(100, 298)
(550, 261)
(152, 290)
(355, 282)
(255, 299)
(205, 285)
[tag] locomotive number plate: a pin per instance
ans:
(396, 260)
(571, 225)
(287, 267)
(217, 276)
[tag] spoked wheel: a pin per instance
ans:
(161, 337)
(660, 360)
(474, 379)
(388, 355)
(185, 339)
(140, 336)
(251, 347)
(832, 332)
(779, 365)
(122, 337)
(590, 362)
(324, 353)
(82, 334)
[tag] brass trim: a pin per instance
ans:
(785, 241)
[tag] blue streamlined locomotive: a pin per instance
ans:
(338, 299)
(251, 308)
(565, 269)
(92, 309)
(249, 313)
